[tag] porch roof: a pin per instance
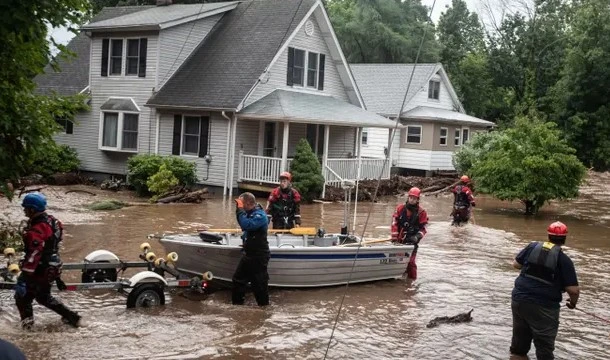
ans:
(445, 116)
(300, 107)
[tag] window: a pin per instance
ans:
(66, 125)
(133, 56)
(305, 69)
(299, 67)
(116, 56)
(131, 51)
(443, 137)
(413, 134)
(119, 131)
(312, 70)
(434, 89)
(365, 137)
(465, 135)
(456, 139)
(190, 135)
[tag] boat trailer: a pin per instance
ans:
(101, 269)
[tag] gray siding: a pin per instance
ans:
(177, 43)
(333, 85)
(341, 142)
(85, 138)
(214, 174)
(246, 140)
(295, 134)
(445, 101)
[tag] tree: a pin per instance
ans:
(528, 162)
(27, 123)
(306, 172)
(383, 31)
(580, 98)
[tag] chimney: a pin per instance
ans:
(164, 2)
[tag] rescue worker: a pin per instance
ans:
(284, 204)
(409, 227)
(252, 267)
(463, 201)
(41, 264)
(546, 272)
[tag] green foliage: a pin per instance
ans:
(528, 162)
(141, 167)
(163, 181)
(10, 236)
(383, 31)
(475, 149)
(104, 205)
(306, 172)
(56, 159)
(26, 120)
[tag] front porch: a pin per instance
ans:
(265, 170)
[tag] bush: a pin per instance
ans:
(55, 159)
(10, 236)
(162, 182)
(306, 172)
(141, 167)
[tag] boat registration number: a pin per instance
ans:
(393, 260)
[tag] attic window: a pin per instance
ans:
(309, 28)
(434, 89)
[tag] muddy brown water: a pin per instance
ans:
(459, 269)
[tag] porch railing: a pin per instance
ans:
(266, 169)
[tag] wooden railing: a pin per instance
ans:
(267, 169)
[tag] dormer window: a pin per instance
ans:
(434, 89)
(305, 68)
(131, 52)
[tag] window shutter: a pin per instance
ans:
(69, 127)
(142, 58)
(203, 136)
(321, 73)
(177, 134)
(289, 76)
(105, 46)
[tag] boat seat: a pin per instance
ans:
(209, 237)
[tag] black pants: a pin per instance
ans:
(41, 291)
(251, 269)
(281, 223)
(534, 322)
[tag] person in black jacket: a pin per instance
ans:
(252, 267)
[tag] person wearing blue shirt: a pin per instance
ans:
(252, 267)
(546, 272)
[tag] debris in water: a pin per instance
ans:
(460, 318)
(106, 205)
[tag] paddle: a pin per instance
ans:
(293, 231)
(363, 243)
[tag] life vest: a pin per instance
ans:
(409, 224)
(255, 241)
(50, 263)
(542, 262)
(461, 197)
(284, 206)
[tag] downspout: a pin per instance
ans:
(232, 165)
(228, 147)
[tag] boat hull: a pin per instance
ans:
(294, 265)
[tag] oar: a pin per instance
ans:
(293, 231)
(363, 243)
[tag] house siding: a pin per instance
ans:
(341, 142)
(445, 101)
(414, 159)
(333, 85)
(214, 173)
(426, 136)
(377, 142)
(86, 136)
(177, 43)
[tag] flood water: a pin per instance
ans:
(459, 269)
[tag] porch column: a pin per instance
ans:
(359, 147)
(325, 157)
(390, 145)
(285, 146)
(232, 164)
(315, 150)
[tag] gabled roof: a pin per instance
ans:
(301, 107)
(160, 17)
(383, 86)
(73, 76)
(236, 52)
(443, 115)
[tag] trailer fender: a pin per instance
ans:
(102, 256)
(146, 277)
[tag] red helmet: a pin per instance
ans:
(414, 192)
(558, 229)
(286, 175)
(465, 179)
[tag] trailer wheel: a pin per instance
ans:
(146, 295)
(99, 275)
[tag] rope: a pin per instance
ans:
(378, 183)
